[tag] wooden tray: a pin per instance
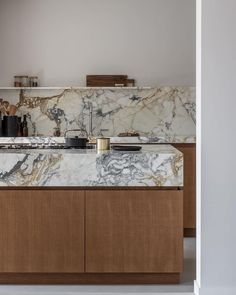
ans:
(105, 80)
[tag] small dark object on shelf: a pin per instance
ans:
(10, 126)
(19, 129)
(17, 81)
(130, 82)
(0, 123)
(33, 81)
(24, 127)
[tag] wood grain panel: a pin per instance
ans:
(134, 231)
(105, 80)
(189, 186)
(41, 231)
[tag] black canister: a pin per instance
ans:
(10, 126)
(1, 124)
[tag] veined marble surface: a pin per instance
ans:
(165, 112)
(155, 165)
(43, 140)
(47, 140)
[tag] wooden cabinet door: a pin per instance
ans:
(189, 186)
(134, 231)
(41, 231)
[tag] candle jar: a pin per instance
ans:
(25, 81)
(17, 81)
(33, 81)
(130, 82)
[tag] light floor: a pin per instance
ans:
(185, 287)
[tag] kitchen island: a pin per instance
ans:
(82, 216)
(153, 166)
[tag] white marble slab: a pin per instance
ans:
(46, 140)
(155, 166)
(167, 113)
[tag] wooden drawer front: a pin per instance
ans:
(134, 231)
(41, 231)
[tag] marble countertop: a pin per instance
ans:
(114, 140)
(154, 165)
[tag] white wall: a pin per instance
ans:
(63, 40)
(218, 241)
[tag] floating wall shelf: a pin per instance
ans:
(76, 87)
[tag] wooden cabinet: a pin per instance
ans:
(189, 152)
(95, 236)
(41, 231)
(135, 231)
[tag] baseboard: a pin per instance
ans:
(92, 293)
(196, 288)
(213, 291)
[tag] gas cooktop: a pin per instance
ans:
(41, 146)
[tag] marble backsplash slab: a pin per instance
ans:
(165, 112)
